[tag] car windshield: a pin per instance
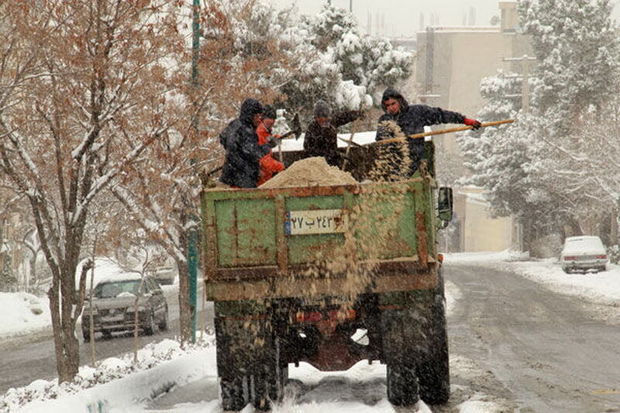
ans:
(113, 289)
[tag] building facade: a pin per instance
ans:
(450, 63)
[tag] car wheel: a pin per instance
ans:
(163, 324)
(149, 325)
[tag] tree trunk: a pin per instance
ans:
(65, 307)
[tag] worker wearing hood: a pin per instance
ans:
(243, 153)
(402, 119)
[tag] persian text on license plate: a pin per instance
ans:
(319, 221)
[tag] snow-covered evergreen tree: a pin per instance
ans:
(367, 61)
(541, 168)
(576, 45)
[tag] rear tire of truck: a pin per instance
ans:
(248, 364)
(402, 385)
(432, 368)
(399, 352)
(232, 394)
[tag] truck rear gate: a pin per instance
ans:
(296, 272)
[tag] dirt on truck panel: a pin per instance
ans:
(330, 272)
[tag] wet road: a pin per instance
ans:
(512, 342)
(544, 351)
(29, 358)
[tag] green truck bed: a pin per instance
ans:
(266, 242)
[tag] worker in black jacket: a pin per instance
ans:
(243, 153)
(402, 119)
(321, 138)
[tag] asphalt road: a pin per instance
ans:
(541, 351)
(29, 358)
(520, 345)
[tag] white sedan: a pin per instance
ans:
(583, 253)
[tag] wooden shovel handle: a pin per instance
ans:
(442, 131)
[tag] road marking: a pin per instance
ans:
(606, 391)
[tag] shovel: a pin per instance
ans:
(442, 131)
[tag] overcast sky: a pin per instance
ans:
(402, 17)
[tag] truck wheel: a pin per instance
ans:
(399, 335)
(232, 394)
(432, 367)
(247, 361)
(402, 385)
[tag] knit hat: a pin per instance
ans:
(322, 109)
(269, 112)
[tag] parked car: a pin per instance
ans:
(165, 275)
(114, 306)
(583, 253)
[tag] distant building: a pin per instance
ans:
(450, 63)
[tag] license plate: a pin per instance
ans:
(318, 221)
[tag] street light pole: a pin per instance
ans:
(192, 239)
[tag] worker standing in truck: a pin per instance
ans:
(321, 138)
(402, 119)
(269, 166)
(243, 152)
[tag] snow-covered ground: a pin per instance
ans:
(118, 385)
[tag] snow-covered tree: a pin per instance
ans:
(576, 46)
(336, 62)
(540, 169)
(367, 61)
(85, 90)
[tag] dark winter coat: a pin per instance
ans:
(243, 153)
(320, 141)
(412, 119)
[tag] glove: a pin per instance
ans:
(472, 122)
(272, 141)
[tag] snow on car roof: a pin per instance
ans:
(583, 243)
(583, 238)
(107, 270)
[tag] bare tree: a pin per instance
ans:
(229, 71)
(85, 89)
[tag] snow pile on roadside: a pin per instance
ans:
(602, 287)
(93, 385)
(23, 313)
(485, 257)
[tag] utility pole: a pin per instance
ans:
(192, 239)
(526, 61)
(350, 6)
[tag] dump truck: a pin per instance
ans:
(331, 276)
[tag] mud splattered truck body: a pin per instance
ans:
(328, 275)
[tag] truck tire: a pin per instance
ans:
(399, 343)
(232, 394)
(432, 366)
(248, 362)
(402, 385)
